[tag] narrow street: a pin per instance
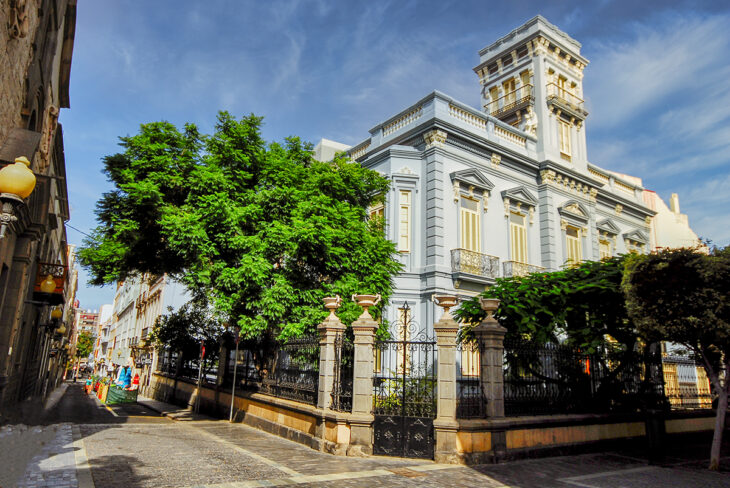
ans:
(78, 442)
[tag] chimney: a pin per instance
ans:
(674, 203)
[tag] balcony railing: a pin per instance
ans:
(474, 263)
(512, 101)
(563, 99)
(515, 268)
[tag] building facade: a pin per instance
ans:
(138, 302)
(36, 45)
(505, 189)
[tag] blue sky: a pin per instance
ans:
(657, 87)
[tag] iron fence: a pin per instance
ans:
(344, 369)
(405, 378)
(246, 372)
(686, 385)
(557, 378)
(293, 370)
(470, 401)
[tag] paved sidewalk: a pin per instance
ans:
(130, 446)
(172, 411)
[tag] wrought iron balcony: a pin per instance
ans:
(564, 100)
(511, 102)
(474, 264)
(515, 268)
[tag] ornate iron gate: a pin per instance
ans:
(344, 364)
(404, 390)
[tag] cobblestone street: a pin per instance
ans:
(132, 446)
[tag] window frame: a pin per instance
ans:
(408, 208)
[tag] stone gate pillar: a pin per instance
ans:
(445, 425)
(361, 423)
(328, 331)
(490, 336)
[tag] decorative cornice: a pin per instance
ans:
(435, 138)
(553, 178)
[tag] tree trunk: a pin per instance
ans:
(722, 387)
(719, 421)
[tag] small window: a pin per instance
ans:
(574, 246)
(470, 228)
(509, 91)
(518, 237)
(404, 228)
(565, 149)
(525, 79)
(604, 249)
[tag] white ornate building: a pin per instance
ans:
(504, 189)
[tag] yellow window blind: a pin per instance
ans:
(518, 237)
(470, 229)
(404, 227)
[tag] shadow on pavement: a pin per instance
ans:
(117, 471)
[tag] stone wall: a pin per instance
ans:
(15, 57)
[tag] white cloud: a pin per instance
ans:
(672, 60)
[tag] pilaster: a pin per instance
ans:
(491, 342)
(328, 331)
(361, 420)
(445, 424)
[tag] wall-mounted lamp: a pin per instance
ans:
(17, 182)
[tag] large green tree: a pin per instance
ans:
(683, 296)
(261, 231)
(84, 345)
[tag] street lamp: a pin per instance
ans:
(17, 182)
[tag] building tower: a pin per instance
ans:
(532, 79)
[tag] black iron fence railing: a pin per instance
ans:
(405, 378)
(344, 369)
(470, 401)
(558, 378)
(293, 371)
(686, 385)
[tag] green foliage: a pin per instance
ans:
(84, 344)
(262, 232)
(184, 329)
(582, 304)
(683, 296)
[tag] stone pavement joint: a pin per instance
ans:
(320, 478)
(240, 449)
(83, 471)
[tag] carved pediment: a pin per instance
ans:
(636, 236)
(574, 210)
(472, 177)
(521, 195)
(608, 227)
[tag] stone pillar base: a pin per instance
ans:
(445, 433)
(361, 436)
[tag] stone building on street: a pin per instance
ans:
(36, 46)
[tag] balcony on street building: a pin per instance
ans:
(515, 268)
(474, 266)
(508, 104)
(562, 99)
